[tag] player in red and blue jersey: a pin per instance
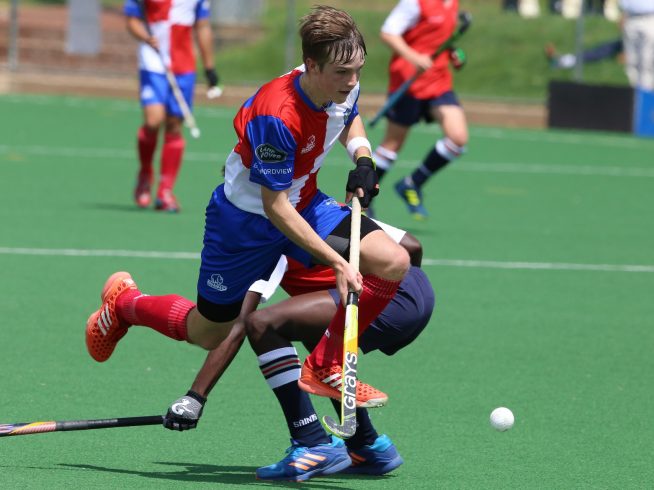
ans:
(414, 30)
(166, 41)
(270, 206)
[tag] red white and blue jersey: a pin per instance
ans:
(283, 139)
(424, 25)
(171, 22)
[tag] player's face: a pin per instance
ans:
(337, 80)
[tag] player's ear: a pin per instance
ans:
(311, 65)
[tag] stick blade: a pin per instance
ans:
(344, 431)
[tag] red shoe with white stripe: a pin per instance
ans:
(103, 328)
(327, 382)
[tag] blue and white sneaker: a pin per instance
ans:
(379, 458)
(302, 463)
(412, 197)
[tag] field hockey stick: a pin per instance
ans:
(24, 429)
(465, 20)
(348, 425)
(189, 119)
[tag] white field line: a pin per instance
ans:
(463, 166)
(476, 264)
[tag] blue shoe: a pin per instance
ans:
(302, 463)
(377, 459)
(412, 197)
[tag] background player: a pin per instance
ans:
(170, 30)
(304, 317)
(414, 30)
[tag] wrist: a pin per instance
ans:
(196, 396)
(366, 161)
(356, 144)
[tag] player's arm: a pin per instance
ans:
(364, 176)
(403, 17)
(185, 412)
(399, 46)
(137, 29)
(285, 217)
(204, 37)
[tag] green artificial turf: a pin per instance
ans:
(528, 247)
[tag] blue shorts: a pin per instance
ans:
(409, 110)
(156, 90)
(241, 248)
(403, 319)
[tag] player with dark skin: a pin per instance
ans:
(304, 318)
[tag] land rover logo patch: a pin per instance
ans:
(267, 153)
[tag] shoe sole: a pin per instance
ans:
(330, 470)
(374, 470)
(336, 395)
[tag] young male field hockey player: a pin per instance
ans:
(270, 206)
(414, 30)
(166, 38)
(304, 318)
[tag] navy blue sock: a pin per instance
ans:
(281, 368)
(365, 434)
(432, 163)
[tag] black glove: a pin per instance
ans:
(365, 177)
(184, 413)
(212, 77)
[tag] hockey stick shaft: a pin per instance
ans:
(22, 429)
(187, 114)
(402, 89)
(348, 424)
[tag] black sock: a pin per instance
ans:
(432, 163)
(281, 368)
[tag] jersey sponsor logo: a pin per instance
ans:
(305, 421)
(311, 144)
(267, 153)
(271, 171)
(216, 282)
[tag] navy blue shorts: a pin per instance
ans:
(409, 110)
(241, 248)
(403, 319)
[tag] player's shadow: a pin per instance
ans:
(237, 475)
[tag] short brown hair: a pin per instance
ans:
(329, 34)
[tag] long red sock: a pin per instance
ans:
(147, 144)
(376, 295)
(171, 161)
(165, 314)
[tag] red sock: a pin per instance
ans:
(165, 314)
(171, 160)
(376, 295)
(147, 144)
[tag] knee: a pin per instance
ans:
(413, 247)
(256, 326)
(398, 265)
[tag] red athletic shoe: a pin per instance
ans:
(327, 382)
(103, 328)
(166, 201)
(142, 191)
